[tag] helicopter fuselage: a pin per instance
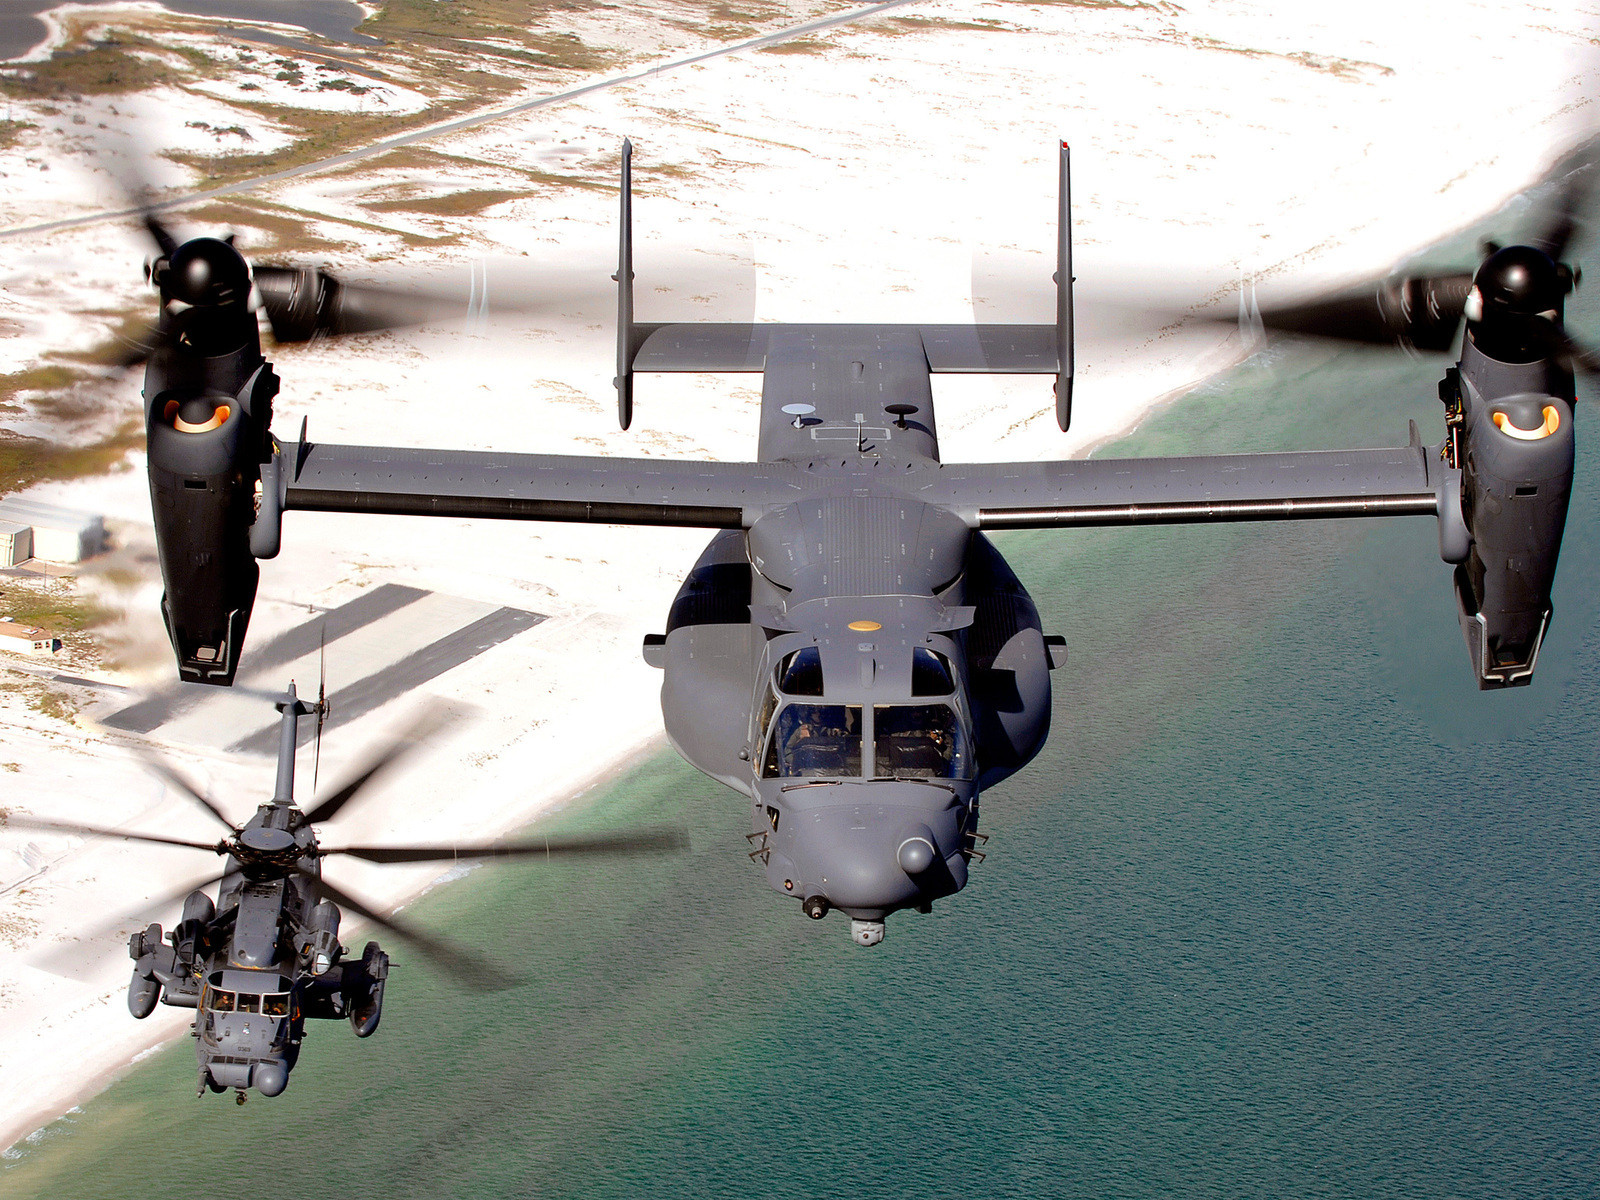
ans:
(258, 961)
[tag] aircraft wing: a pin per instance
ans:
(529, 487)
(1164, 491)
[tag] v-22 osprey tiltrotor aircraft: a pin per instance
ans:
(851, 652)
(265, 956)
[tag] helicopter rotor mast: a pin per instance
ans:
(292, 708)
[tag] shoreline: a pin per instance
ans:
(572, 693)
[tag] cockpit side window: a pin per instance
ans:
(276, 1005)
(930, 673)
(920, 741)
(812, 740)
(800, 673)
(218, 1000)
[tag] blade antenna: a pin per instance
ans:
(322, 702)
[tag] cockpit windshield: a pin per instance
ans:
(814, 740)
(800, 674)
(930, 673)
(221, 1000)
(919, 741)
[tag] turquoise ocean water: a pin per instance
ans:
(1286, 908)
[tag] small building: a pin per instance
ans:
(26, 639)
(62, 535)
(16, 543)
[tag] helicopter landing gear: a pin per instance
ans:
(239, 1097)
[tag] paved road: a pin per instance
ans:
(467, 122)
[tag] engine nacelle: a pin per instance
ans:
(1516, 454)
(207, 419)
(321, 946)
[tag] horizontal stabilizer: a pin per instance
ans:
(951, 349)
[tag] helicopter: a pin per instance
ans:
(851, 652)
(265, 955)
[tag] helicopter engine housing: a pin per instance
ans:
(322, 942)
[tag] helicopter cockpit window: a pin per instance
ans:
(249, 1002)
(930, 673)
(814, 740)
(219, 1001)
(800, 674)
(275, 1005)
(920, 741)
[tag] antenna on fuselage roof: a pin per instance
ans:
(1063, 279)
(624, 278)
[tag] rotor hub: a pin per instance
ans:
(207, 272)
(1520, 280)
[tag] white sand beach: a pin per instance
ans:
(855, 181)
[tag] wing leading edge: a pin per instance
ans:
(1164, 491)
(528, 487)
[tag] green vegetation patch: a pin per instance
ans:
(796, 46)
(98, 68)
(398, 19)
(451, 204)
(130, 336)
(285, 230)
(11, 132)
(903, 25)
(25, 461)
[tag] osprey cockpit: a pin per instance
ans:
(855, 721)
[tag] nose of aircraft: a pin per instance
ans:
(869, 864)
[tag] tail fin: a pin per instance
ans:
(624, 277)
(1064, 332)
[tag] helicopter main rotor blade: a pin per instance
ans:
(652, 841)
(39, 825)
(478, 972)
(167, 772)
(397, 748)
(80, 955)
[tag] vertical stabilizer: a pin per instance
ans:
(1064, 353)
(624, 278)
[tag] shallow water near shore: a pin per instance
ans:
(21, 30)
(1285, 908)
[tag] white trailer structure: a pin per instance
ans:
(62, 535)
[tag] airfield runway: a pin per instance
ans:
(380, 645)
